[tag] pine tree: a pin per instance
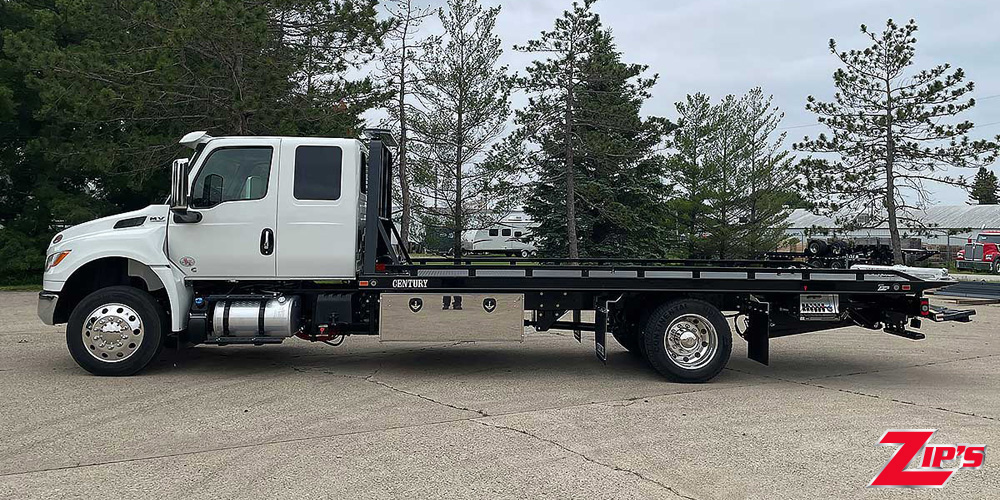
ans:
(890, 130)
(598, 182)
(553, 85)
(105, 89)
(984, 187)
(732, 176)
(690, 172)
(620, 188)
(404, 47)
(464, 101)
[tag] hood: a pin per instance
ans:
(128, 220)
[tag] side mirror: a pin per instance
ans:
(179, 185)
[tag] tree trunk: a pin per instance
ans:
(574, 251)
(404, 178)
(890, 185)
(458, 186)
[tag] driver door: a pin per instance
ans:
(234, 190)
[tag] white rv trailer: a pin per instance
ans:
(509, 236)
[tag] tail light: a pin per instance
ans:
(925, 306)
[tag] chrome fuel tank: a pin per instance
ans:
(269, 317)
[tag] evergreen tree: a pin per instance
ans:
(464, 101)
(690, 172)
(103, 90)
(404, 46)
(598, 187)
(732, 175)
(984, 187)
(891, 133)
(551, 118)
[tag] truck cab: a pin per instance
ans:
(249, 208)
(981, 253)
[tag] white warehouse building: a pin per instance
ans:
(948, 225)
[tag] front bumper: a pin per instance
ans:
(47, 307)
(980, 265)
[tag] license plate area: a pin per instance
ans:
(819, 307)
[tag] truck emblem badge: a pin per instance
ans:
(883, 287)
(416, 304)
(187, 261)
(489, 304)
(157, 218)
(408, 283)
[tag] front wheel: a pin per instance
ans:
(116, 331)
(525, 254)
(687, 340)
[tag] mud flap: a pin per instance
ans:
(602, 321)
(758, 330)
(577, 333)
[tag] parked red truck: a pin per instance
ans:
(981, 253)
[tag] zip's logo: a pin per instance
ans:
(932, 473)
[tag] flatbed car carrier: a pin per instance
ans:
(266, 238)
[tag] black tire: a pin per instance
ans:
(709, 357)
(817, 247)
(630, 341)
(149, 321)
(525, 254)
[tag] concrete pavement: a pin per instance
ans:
(538, 419)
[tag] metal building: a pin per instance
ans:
(949, 226)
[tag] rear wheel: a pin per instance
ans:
(629, 340)
(525, 254)
(116, 331)
(687, 340)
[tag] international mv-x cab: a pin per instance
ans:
(267, 238)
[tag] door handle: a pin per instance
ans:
(266, 241)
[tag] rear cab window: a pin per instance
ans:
(318, 173)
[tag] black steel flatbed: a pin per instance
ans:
(523, 275)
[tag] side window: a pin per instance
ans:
(317, 172)
(494, 232)
(232, 174)
(517, 234)
(506, 232)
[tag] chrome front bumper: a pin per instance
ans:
(47, 307)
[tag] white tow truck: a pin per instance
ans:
(266, 238)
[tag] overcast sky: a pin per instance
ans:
(724, 47)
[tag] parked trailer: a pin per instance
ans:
(267, 238)
(508, 236)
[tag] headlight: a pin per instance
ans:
(54, 259)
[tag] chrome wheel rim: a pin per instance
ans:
(112, 332)
(691, 341)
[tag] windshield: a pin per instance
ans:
(988, 238)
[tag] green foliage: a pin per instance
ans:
(94, 94)
(734, 182)
(891, 134)
(465, 102)
(598, 179)
(985, 187)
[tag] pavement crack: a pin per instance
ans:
(873, 396)
(583, 456)
(371, 378)
(919, 365)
